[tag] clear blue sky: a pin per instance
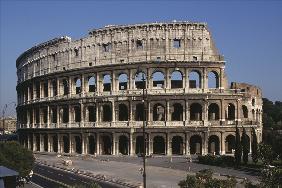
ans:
(248, 34)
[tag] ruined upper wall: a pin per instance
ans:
(175, 41)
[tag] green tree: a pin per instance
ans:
(238, 147)
(265, 153)
(271, 177)
(245, 146)
(16, 157)
(254, 146)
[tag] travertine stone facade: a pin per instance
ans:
(85, 96)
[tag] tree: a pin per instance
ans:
(16, 157)
(245, 146)
(238, 147)
(254, 146)
(265, 153)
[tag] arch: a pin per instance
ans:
(107, 82)
(158, 112)
(253, 102)
(196, 112)
(139, 113)
(213, 111)
(91, 113)
(91, 145)
(195, 79)
(65, 115)
(37, 142)
(123, 145)
(231, 112)
(139, 82)
(65, 87)
(77, 114)
(45, 141)
(245, 111)
(107, 113)
(196, 144)
(139, 145)
(158, 79)
(177, 114)
(254, 114)
(123, 79)
(66, 144)
(213, 146)
(78, 144)
(77, 86)
(106, 145)
(159, 145)
(122, 112)
(55, 143)
(213, 81)
(229, 143)
(176, 79)
(177, 145)
(91, 84)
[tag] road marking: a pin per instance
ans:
(58, 182)
(36, 185)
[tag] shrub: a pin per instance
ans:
(222, 160)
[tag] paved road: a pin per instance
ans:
(50, 177)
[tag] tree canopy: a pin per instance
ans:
(16, 157)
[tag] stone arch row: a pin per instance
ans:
(125, 144)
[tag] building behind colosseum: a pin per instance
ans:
(85, 96)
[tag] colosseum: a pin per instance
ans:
(93, 95)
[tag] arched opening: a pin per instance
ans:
(78, 144)
(91, 113)
(37, 141)
(213, 80)
(139, 83)
(45, 140)
(107, 113)
(122, 112)
(54, 88)
(122, 81)
(177, 114)
(139, 113)
(213, 145)
(176, 80)
(91, 84)
(194, 79)
(229, 143)
(231, 111)
(106, 143)
(158, 79)
(158, 112)
(196, 144)
(77, 114)
(77, 86)
(196, 112)
(107, 82)
(245, 111)
(213, 111)
(139, 146)
(177, 145)
(65, 115)
(65, 87)
(253, 102)
(91, 145)
(66, 143)
(123, 145)
(159, 145)
(55, 143)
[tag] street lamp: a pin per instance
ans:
(144, 124)
(3, 114)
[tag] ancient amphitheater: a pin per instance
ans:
(85, 96)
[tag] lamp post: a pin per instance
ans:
(3, 114)
(144, 124)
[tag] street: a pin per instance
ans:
(50, 177)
